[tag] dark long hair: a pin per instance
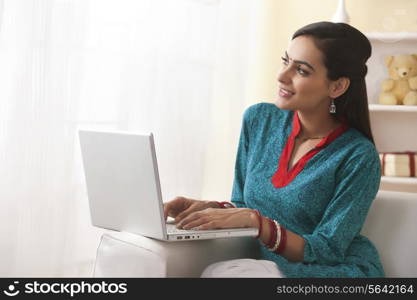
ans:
(345, 52)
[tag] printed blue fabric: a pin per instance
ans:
(326, 203)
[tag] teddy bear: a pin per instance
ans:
(401, 87)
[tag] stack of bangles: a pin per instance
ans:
(278, 235)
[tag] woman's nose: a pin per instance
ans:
(284, 75)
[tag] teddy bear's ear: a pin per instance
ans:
(388, 60)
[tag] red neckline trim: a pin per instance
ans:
(283, 176)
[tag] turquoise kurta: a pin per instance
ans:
(326, 203)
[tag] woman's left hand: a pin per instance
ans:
(217, 218)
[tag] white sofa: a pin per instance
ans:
(391, 225)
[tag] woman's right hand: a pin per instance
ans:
(181, 207)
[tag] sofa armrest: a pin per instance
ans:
(391, 225)
(122, 254)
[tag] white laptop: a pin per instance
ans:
(124, 190)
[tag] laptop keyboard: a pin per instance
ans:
(171, 229)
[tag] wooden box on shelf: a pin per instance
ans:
(394, 126)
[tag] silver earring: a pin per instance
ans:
(332, 107)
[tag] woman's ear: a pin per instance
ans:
(339, 87)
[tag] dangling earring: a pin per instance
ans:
(332, 107)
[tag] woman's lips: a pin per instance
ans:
(285, 93)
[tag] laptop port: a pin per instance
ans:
(179, 237)
(187, 237)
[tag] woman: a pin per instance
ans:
(307, 169)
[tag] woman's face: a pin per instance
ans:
(302, 82)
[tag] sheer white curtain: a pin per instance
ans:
(178, 68)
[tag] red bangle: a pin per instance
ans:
(283, 241)
(273, 234)
(225, 204)
(260, 223)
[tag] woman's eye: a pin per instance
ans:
(302, 72)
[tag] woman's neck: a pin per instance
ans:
(317, 124)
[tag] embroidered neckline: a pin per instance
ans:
(283, 176)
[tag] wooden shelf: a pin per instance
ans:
(392, 125)
(392, 108)
(401, 184)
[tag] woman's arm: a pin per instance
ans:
(294, 247)
(241, 159)
(217, 218)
